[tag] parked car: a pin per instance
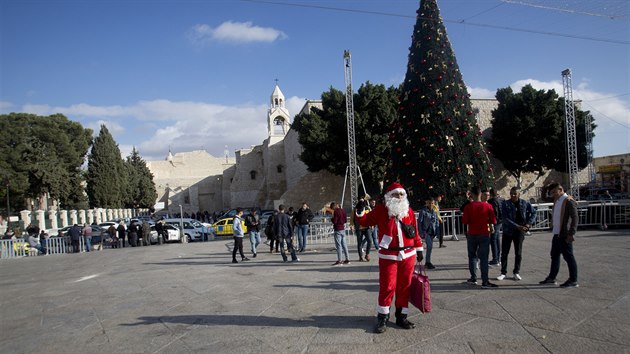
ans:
(105, 225)
(97, 233)
(225, 227)
(193, 229)
(232, 212)
(264, 214)
(172, 234)
(141, 220)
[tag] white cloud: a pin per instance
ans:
(238, 32)
(81, 109)
(480, 93)
(153, 126)
(114, 127)
(294, 104)
(539, 85)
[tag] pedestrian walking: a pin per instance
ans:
(564, 219)
(283, 227)
(252, 221)
(238, 236)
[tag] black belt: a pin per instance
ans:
(398, 248)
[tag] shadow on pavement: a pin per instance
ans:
(262, 321)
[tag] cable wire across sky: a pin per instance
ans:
(460, 22)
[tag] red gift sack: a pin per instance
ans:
(420, 294)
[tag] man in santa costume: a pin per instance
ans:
(399, 247)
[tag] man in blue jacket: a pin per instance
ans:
(518, 218)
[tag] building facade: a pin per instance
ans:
(272, 173)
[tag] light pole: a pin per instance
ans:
(8, 205)
(181, 224)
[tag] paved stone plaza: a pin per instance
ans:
(183, 298)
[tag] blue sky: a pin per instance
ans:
(198, 74)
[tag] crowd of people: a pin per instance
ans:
(389, 226)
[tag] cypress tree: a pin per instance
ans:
(141, 186)
(436, 142)
(106, 174)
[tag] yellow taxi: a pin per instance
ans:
(225, 227)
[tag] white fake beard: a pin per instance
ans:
(397, 206)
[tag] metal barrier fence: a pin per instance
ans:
(601, 214)
(321, 232)
(591, 214)
(19, 247)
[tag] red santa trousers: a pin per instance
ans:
(394, 277)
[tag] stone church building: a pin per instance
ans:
(272, 173)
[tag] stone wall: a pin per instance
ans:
(190, 179)
(282, 178)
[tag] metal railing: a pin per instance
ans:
(600, 214)
(19, 247)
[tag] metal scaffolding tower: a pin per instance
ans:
(572, 157)
(352, 152)
(589, 148)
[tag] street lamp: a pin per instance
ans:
(8, 205)
(181, 224)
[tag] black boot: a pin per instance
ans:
(402, 321)
(381, 323)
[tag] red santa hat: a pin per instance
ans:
(395, 188)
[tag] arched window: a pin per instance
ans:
(252, 174)
(279, 125)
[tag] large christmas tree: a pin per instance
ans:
(437, 146)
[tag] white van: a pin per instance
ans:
(193, 229)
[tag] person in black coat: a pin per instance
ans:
(75, 235)
(283, 228)
(269, 231)
(122, 232)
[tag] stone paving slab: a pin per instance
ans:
(190, 298)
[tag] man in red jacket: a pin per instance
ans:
(480, 218)
(399, 246)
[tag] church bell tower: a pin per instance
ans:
(277, 116)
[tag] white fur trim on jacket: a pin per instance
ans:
(396, 190)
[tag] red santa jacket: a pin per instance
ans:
(393, 245)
